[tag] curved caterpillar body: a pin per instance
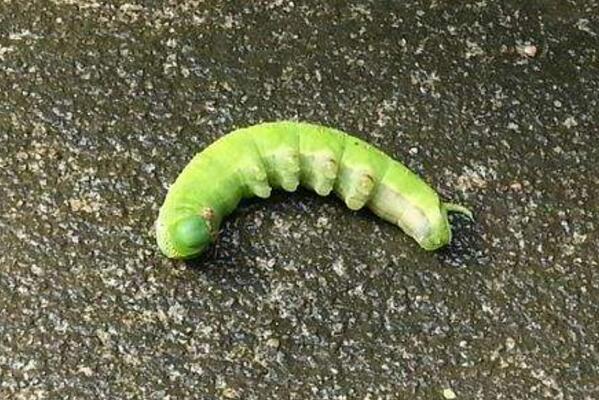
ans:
(251, 161)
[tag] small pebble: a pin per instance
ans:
(449, 394)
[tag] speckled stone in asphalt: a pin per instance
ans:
(493, 103)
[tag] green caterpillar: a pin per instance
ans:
(251, 161)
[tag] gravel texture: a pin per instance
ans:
(494, 103)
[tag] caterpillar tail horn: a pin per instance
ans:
(453, 207)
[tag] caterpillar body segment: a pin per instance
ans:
(361, 170)
(283, 155)
(320, 150)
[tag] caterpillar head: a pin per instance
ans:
(184, 238)
(440, 233)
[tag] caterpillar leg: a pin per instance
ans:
(256, 181)
(355, 187)
(319, 171)
(278, 147)
(285, 169)
(361, 168)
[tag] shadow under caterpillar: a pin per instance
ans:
(252, 161)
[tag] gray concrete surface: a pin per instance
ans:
(496, 105)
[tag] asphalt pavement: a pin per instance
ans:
(495, 104)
